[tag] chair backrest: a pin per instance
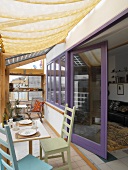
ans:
(37, 104)
(6, 142)
(34, 100)
(67, 124)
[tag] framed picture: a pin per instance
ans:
(120, 89)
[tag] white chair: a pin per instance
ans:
(52, 146)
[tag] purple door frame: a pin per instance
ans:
(99, 149)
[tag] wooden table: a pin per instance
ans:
(43, 134)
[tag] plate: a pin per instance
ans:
(25, 122)
(27, 132)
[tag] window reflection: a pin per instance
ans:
(63, 80)
(48, 85)
(87, 97)
(57, 81)
(52, 81)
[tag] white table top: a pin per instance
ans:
(21, 106)
(43, 133)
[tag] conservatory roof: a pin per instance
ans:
(22, 57)
(31, 26)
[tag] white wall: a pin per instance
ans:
(117, 62)
(121, 62)
(53, 117)
(105, 12)
(58, 49)
(108, 10)
(113, 93)
(111, 66)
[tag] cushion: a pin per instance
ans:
(37, 106)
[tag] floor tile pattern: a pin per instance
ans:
(121, 162)
(77, 162)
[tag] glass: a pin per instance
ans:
(63, 80)
(15, 126)
(34, 124)
(10, 123)
(57, 81)
(34, 94)
(48, 86)
(52, 81)
(87, 94)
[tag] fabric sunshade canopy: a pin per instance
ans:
(32, 25)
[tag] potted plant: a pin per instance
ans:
(14, 111)
(10, 109)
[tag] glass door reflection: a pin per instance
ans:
(87, 94)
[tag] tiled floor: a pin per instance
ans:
(77, 162)
(121, 163)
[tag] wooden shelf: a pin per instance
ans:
(26, 90)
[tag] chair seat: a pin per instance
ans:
(56, 147)
(52, 144)
(32, 163)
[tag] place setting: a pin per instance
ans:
(25, 122)
(27, 132)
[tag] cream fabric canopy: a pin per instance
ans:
(33, 25)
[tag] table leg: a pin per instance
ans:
(30, 147)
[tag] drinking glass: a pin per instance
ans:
(34, 124)
(16, 125)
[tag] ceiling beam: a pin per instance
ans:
(28, 72)
(7, 55)
(117, 46)
(18, 64)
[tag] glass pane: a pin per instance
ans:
(63, 80)
(87, 95)
(36, 83)
(52, 82)
(13, 96)
(57, 81)
(48, 86)
(35, 94)
(23, 96)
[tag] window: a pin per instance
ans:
(57, 66)
(56, 81)
(62, 91)
(24, 88)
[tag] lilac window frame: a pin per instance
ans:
(100, 149)
(54, 61)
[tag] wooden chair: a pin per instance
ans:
(52, 146)
(37, 110)
(29, 162)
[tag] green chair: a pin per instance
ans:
(29, 162)
(52, 146)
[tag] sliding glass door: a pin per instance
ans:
(89, 95)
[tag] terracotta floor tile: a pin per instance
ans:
(77, 162)
(85, 168)
(81, 163)
(76, 158)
